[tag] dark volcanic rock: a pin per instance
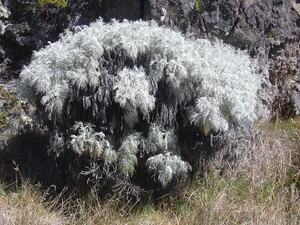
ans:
(19, 39)
(269, 30)
(18, 42)
(178, 14)
(296, 97)
(120, 9)
(2, 55)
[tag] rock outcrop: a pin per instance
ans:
(270, 31)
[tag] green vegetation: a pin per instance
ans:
(3, 119)
(57, 3)
(198, 5)
(10, 106)
(273, 32)
(8, 96)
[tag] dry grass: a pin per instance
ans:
(263, 190)
(26, 206)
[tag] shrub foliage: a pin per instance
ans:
(57, 3)
(134, 97)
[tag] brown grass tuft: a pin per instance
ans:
(27, 205)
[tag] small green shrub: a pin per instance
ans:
(273, 32)
(10, 106)
(57, 3)
(198, 5)
(3, 119)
